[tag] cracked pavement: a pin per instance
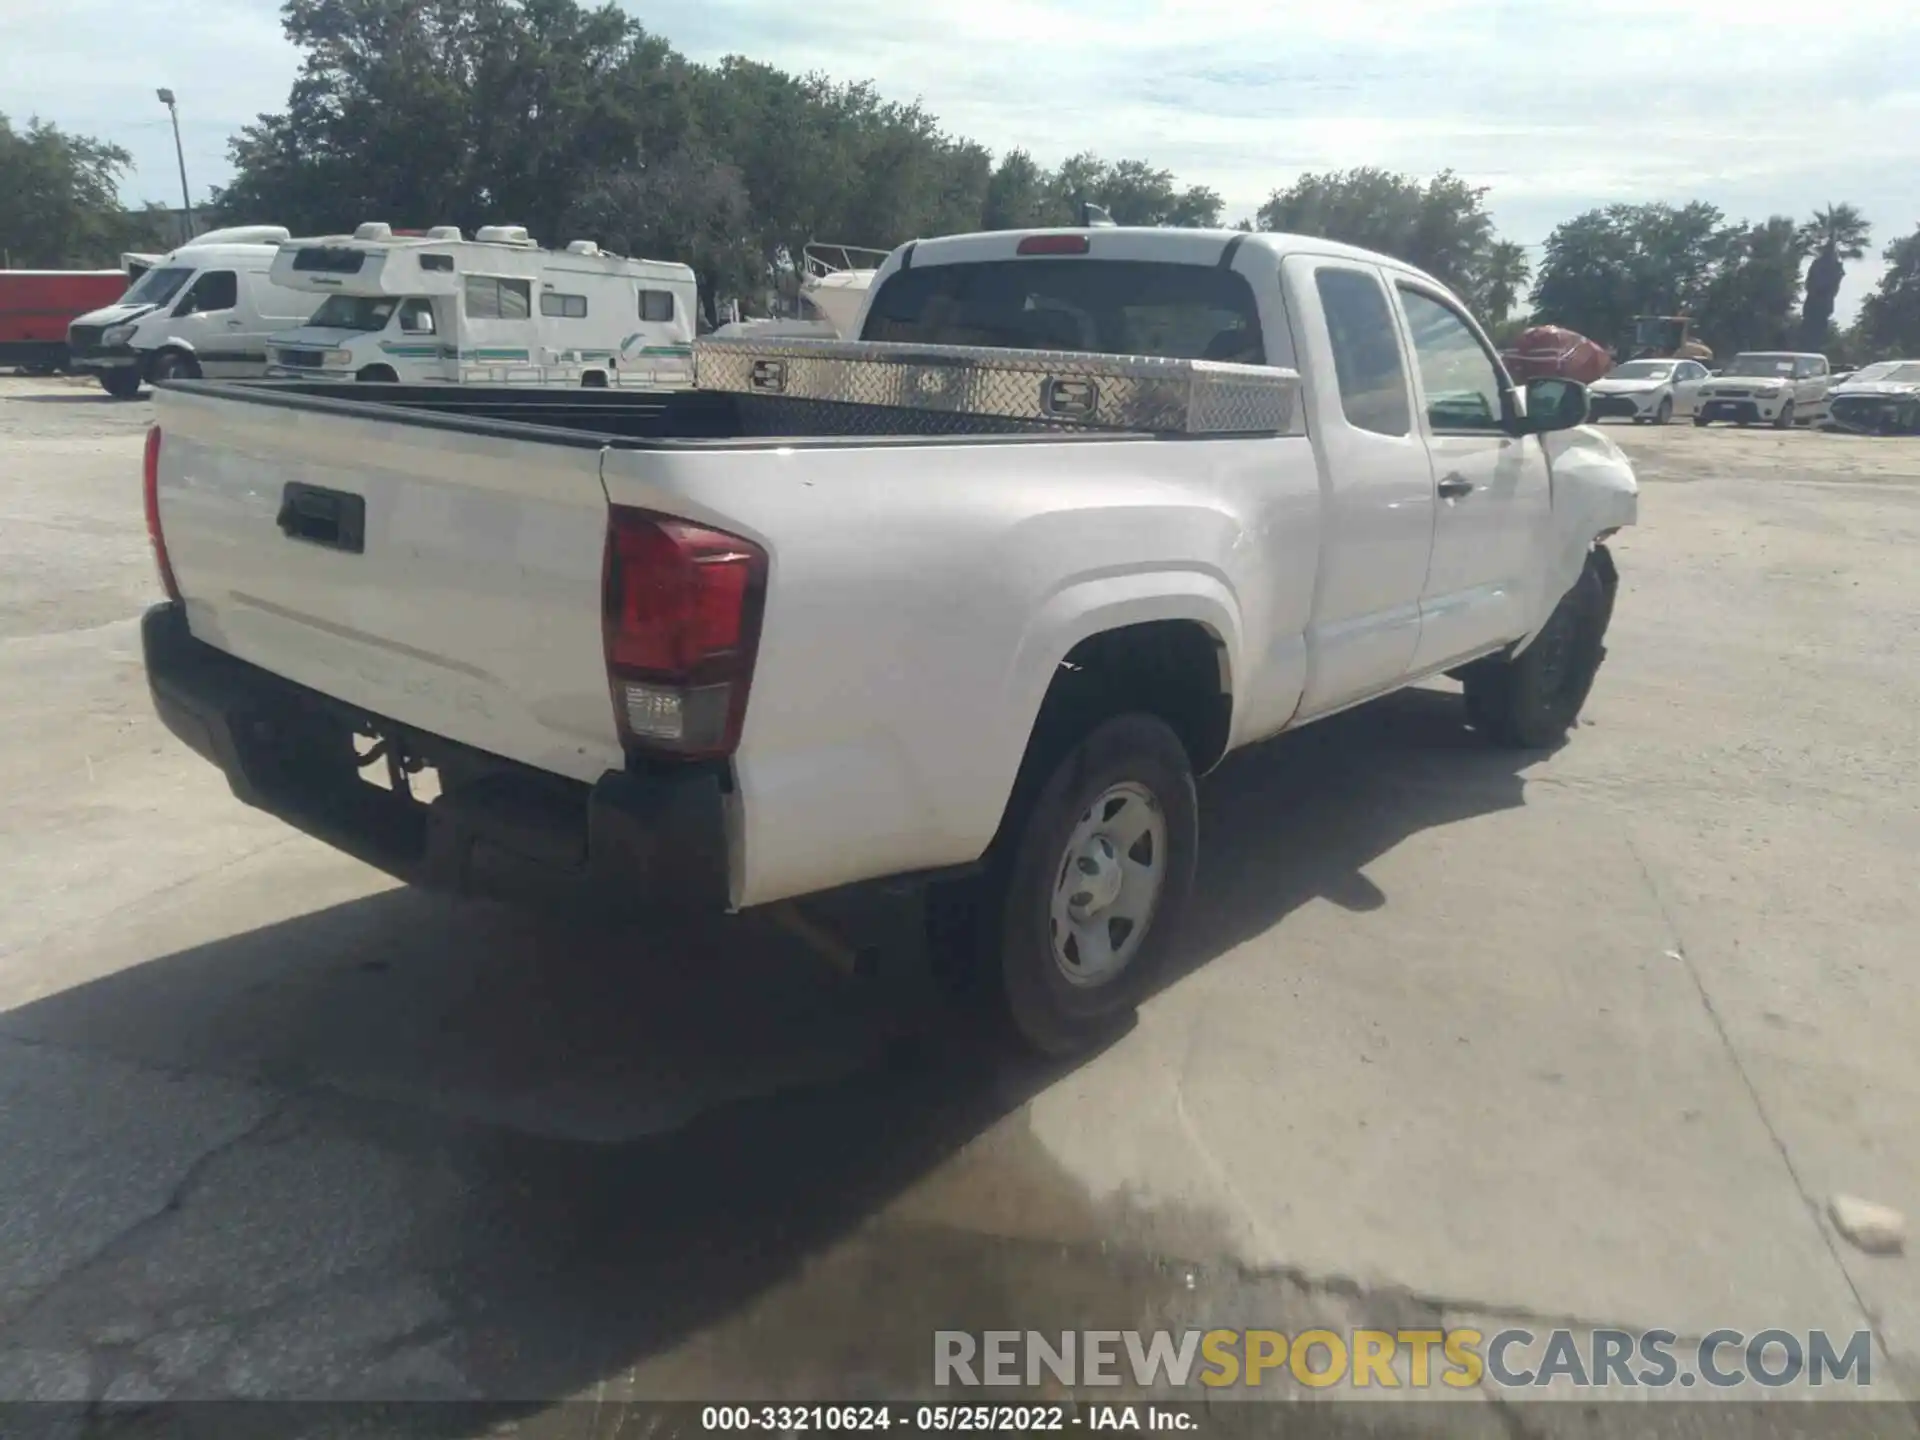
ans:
(1586, 1038)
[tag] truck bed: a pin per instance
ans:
(638, 419)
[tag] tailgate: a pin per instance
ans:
(470, 607)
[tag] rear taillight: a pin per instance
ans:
(681, 609)
(150, 485)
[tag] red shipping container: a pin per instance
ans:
(36, 306)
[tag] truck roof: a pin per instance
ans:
(1137, 242)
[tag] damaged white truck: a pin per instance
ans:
(967, 603)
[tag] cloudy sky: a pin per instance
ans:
(1761, 108)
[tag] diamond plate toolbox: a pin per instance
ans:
(1047, 387)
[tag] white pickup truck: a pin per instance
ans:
(736, 645)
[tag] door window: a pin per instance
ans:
(214, 290)
(1366, 351)
(1463, 386)
(416, 317)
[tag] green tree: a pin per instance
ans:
(1890, 316)
(1835, 235)
(1022, 196)
(1747, 302)
(62, 205)
(1605, 266)
(1504, 273)
(1441, 225)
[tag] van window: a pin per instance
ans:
(214, 290)
(1111, 307)
(158, 287)
(657, 306)
(1366, 351)
(436, 262)
(492, 297)
(571, 307)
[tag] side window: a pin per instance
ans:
(489, 297)
(215, 290)
(1462, 384)
(416, 317)
(657, 306)
(570, 307)
(1812, 368)
(1366, 352)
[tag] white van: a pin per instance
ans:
(204, 309)
(437, 308)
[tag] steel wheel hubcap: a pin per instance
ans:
(1108, 885)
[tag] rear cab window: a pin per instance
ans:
(1366, 351)
(1100, 307)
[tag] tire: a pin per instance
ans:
(172, 365)
(121, 384)
(593, 380)
(1665, 412)
(1784, 420)
(377, 375)
(1700, 422)
(1115, 826)
(1532, 700)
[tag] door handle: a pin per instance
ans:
(1455, 486)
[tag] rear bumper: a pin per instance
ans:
(627, 844)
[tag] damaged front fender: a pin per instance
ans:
(1594, 493)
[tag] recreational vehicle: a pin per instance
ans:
(438, 308)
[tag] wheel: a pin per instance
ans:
(593, 380)
(1532, 700)
(1665, 412)
(377, 375)
(1090, 893)
(1700, 422)
(1784, 420)
(172, 365)
(121, 384)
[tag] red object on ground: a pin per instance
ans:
(36, 306)
(1553, 350)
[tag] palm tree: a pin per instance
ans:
(1836, 235)
(1504, 272)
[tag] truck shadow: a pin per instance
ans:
(569, 1155)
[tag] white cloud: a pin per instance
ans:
(1761, 108)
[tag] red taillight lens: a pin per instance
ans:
(1053, 245)
(150, 487)
(681, 613)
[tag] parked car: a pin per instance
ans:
(911, 608)
(1881, 399)
(1648, 391)
(1781, 388)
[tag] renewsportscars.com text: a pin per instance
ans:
(1458, 1358)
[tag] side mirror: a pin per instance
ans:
(1552, 404)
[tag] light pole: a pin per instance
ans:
(186, 195)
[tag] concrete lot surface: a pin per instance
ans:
(1466, 1036)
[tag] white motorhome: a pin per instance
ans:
(206, 308)
(438, 308)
